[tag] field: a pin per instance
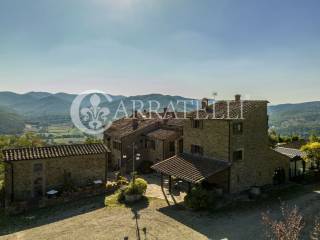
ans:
(60, 134)
(155, 219)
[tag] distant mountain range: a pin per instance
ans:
(51, 108)
(299, 118)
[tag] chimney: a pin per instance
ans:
(204, 103)
(237, 97)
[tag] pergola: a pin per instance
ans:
(189, 168)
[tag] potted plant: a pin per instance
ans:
(135, 190)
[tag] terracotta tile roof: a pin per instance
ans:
(57, 151)
(220, 109)
(190, 168)
(290, 152)
(123, 127)
(163, 134)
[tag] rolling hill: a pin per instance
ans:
(300, 118)
(10, 122)
(45, 107)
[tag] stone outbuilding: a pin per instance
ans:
(31, 172)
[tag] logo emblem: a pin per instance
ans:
(88, 112)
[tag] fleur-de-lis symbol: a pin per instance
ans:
(95, 115)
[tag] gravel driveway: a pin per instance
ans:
(161, 221)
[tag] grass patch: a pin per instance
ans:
(116, 200)
(113, 200)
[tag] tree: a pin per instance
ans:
(312, 151)
(25, 140)
(91, 140)
(273, 138)
(289, 227)
(315, 234)
(313, 138)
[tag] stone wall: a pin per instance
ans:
(218, 141)
(221, 180)
(83, 169)
(259, 161)
(213, 137)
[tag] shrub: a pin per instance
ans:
(112, 200)
(145, 167)
(200, 198)
(111, 186)
(122, 181)
(138, 187)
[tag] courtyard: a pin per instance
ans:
(155, 218)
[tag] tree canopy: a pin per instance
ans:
(312, 151)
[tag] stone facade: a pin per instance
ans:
(30, 179)
(240, 139)
(218, 140)
(141, 141)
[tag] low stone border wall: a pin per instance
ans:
(24, 206)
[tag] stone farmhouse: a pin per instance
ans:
(31, 172)
(154, 138)
(226, 146)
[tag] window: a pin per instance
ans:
(197, 123)
(238, 128)
(237, 155)
(196, 149)
(171, 146)
(37, 167)
(117, 145)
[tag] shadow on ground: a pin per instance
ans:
(39, 217)
(242, 220)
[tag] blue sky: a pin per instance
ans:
(266, 49)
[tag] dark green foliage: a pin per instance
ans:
(91, 140)
(275, 138)
(199, 198)
(138, 187)
(145, 167)
(122, 181)
(10, 122)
